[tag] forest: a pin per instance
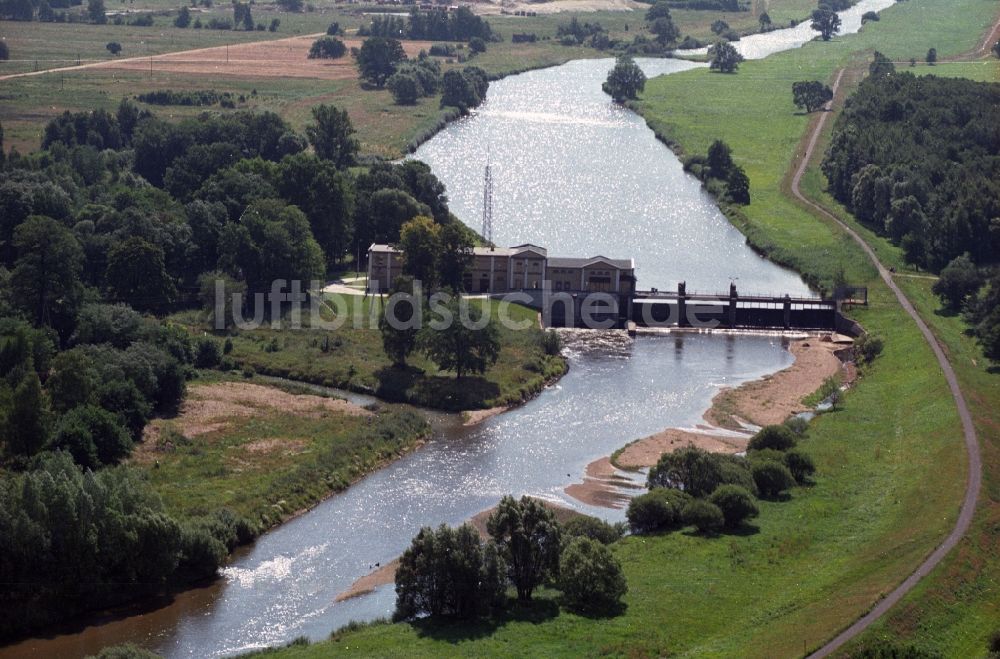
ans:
(917, 158)
(120, 219)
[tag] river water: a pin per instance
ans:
(583, 177)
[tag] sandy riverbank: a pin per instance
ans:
(766, 401)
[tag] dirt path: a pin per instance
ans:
(974, 482)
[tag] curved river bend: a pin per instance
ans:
(581, 176)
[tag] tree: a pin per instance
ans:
(765, 22)
(800, 464)
(870, 16)
(332, 135)
(45, 281)
(95, 10)
(585, 526)
(720, 159)
(461, 345)
(738, 186)
(772, 478)
(398, 323)
(72, 380)
(183, 17)
(455, 257)
(698, 472)
(274, 24)
(114, 47)
(657, 510)
(590, 577)
(826, 22)
(811, 95)
(404, 87)
(25, 430)
(93, 436)
(137, 275)
(327, 48)
(777, 437)
(660, 9)
(333, 29)
(477, 45)
(996, 48)
(528, 538)
(377, 59)
(292, 5)
(959, 280)
(704, 516)
(464, 89)
(420, 243)
(737, 505)
(932, 56)
(448, 572)
(625, 80)
(881, 66)
(665, 30)
(724, 57)
(719, 26)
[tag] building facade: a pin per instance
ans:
(523, 267)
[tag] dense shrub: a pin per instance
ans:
(704, 516)
(657, 510)
(772, 478)
(327, 48)
(736, 503)
(585, 526)
(800, 464)
(779, 438)
(590, 577)
(697, 472)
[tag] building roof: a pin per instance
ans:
(578, 262)
(553, 261)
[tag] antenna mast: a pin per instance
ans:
(488, 205)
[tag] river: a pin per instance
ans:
(581, 176)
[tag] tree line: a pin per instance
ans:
(917, 159)
(432, 25)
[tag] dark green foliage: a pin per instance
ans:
(437, 25)
(404, 87)
(332, 135)
(116, 324)
(811, 95)
(398, 323)
(207, 353)
(736, 503)
(723, 57)
(800, 464)
(327, 48)
(866, 348)
(114, 47)
(931, 56)
(4, 56)
(585, 526)
(45, 282)
(704, 516)
(455, 257)
(93, 436)
(464, 89)
(959, 280)
(590, 577)
(25, 428)
(826, 22)
(772, 478)
(625, 80)
(333, 29)
(449, 573)
(881, 66)
(377, 59)
(183, 17)
(95, 10)
(137, 275)
(660, 509)
(697, 472)
(889, 648)
(477, 45)
(983, 314)
(738, 186)
(528, 538)
(72, 541)
(779, 438)
(458, 346)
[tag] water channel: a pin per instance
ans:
(581, 176)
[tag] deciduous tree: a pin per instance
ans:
(332, 135)
(724, 57)
(811, 95)
(590, 577)
(463, 345)
(625, 80)
(528, 537)
(826, 22)
(377, 59)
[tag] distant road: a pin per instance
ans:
(974, 479)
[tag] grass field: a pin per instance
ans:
(351, 357)
(891, 464)
(264, 453)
